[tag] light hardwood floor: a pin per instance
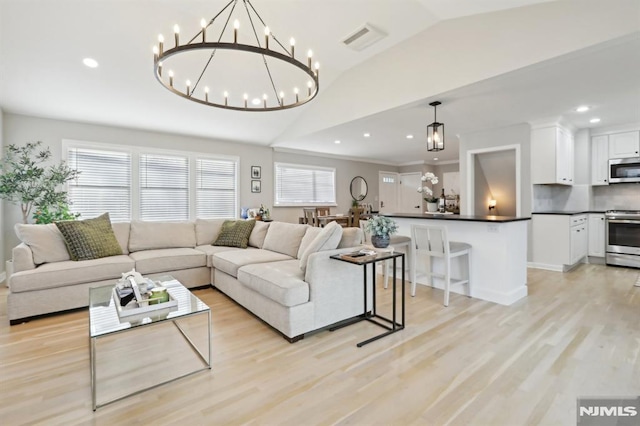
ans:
(475, 362)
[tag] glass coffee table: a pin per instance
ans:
(147, 349)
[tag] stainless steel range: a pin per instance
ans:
(623, 238)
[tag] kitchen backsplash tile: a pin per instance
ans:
(620, 196)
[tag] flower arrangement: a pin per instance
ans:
(433, 179)
(381, 226)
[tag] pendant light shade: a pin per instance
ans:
(435, 132)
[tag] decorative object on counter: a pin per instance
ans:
(492, 205)
(25, 181)
(244, 212)
(282, 73)
(256, 172)
(435, 131)
(358, 188)
(256, 186)
(442, 203)
(381, 228)
(432, 202)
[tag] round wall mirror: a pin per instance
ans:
(359, 188)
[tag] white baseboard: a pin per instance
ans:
(484, 294)
(3, 277)
(546, 266)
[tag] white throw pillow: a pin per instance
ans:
(327, 239)
(258, 234)
(45, 241)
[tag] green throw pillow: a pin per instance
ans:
(90, 238)
(235, 233)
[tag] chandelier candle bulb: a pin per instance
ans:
(206, 94)
(188, 87)
(226, 98)
(170, 78)
(176, 34)
(266, 37)
(236, 27)
(246, 98)
(155, 53)
(264, 100)
(160, 44)
(309, 58)
(292, 42)
(296, 91)
(160, 69)
(203, 24)
(281, 98)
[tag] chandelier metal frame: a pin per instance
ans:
(435, 131)
(199, 42)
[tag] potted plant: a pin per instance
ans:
(25, 181)
(381, 228)
(432, 201)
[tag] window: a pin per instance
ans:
(164, 187)
(297, 185)
(215, 188)
(152, 185)
(103, 185)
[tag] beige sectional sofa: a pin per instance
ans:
(284, 277)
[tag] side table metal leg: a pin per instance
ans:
(395, 322)
(92, 356)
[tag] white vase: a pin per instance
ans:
(432, 207)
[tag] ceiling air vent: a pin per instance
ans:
(363, 37)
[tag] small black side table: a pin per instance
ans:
(393, 325)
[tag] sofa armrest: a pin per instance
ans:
(22, 258)
(335, 287)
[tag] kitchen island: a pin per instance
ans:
(498, 254)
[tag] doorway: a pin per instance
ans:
(388, 184)
(410, 200)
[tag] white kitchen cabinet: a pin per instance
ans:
(600, 160)
(559, 241)
(624, 145)
(596, 235)
(551, 156)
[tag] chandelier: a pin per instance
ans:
(435, 132)
(249, 72)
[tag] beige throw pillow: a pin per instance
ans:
(327, 239)
(258, 234)
(45, 241)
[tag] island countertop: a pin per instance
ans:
(467, 218)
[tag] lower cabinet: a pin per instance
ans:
(596, 235)
(559, 241)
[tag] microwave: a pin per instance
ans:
(623, 170)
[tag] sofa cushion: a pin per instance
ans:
(210, 250)
(207, 230)
(229, 261)
(121, 229)
(90, 238)
(282, 282)
(258, 234)
(235, 233)
(351, 237)
(327, 239)
(284, 237)
(45, 241)
(61, 274)
(309, 236)
(159, 235)
(172, 259)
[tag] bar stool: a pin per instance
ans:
(395, 241)
(433, 241)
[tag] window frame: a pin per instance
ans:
(136, 151)
(304, 167)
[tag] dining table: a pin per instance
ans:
(341, 219)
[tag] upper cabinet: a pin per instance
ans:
(551, 156)
(600, 160)
(624, 145)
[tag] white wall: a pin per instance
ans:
(498, 170)
(2, 203)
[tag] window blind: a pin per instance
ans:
(103, 185)
(215, 188)
(164, 187)
(304, 185)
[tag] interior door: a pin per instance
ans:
(410, 199)
(388, 188)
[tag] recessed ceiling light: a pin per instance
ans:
(336, 141)
(582, 108)
(409, 136)
(90, 62)
(255, 101)
(594, 120)
(366, 135)
(435, 158)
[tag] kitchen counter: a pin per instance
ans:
(498, 270)
(468, 218)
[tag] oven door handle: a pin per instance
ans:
(623, 221)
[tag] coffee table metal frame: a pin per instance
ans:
(100, 296)
(371, 316)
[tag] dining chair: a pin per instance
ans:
(323, 211)
(433, 241)
(395, 241)
(354, 217)
(310, 216)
